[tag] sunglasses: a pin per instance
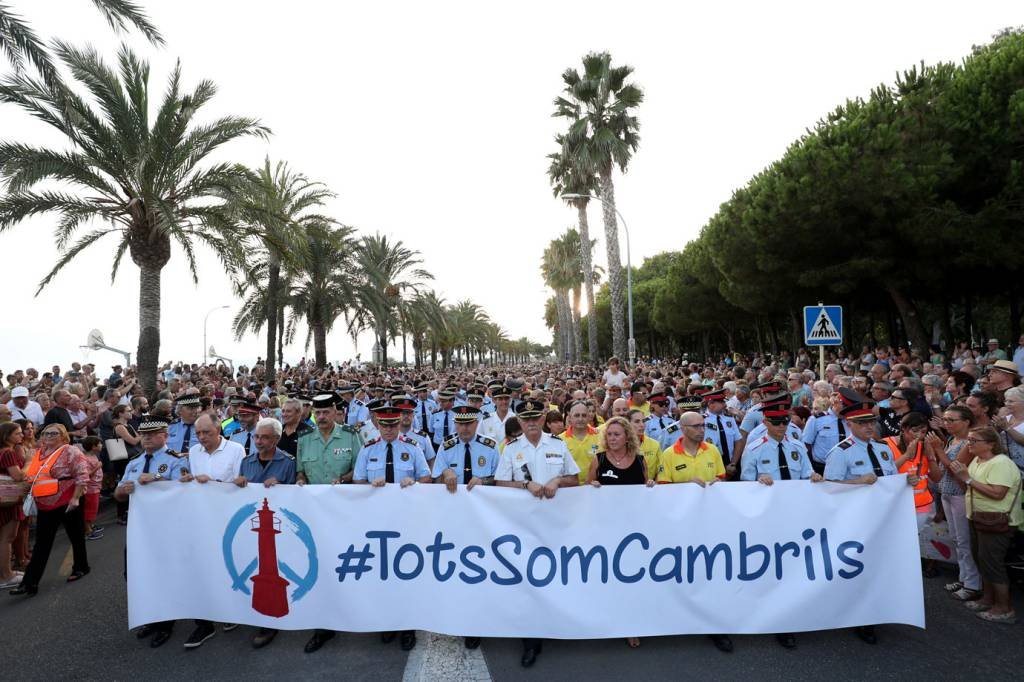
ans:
(777, 422)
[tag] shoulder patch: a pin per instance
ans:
(846, 444)
(349, 428)
(489, 442)
(288, 454)
(555, 437)
(173, 453)
(371, 442)
(672, 428)
(405, 439)
(450, 443)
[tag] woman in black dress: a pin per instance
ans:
(619, 463)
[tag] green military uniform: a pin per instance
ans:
(323, 462)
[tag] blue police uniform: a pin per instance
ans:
(247, 439)
(752, 418)
(822, 433)
(437, 426)
(763, 457)
(655, 425)
(488, 405)
(483, 458)
(421, 415)
(423, 441)
(164, 464)
(793, 433)
(181, 436)
(670, 435)
(721, 431)
(281, 468)
(407, 458)
(852, 459)
(357, 412)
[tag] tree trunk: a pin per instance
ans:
(969, 318)
(280, 337)
(405, 356)
(615, 283)
(273, 284)
(382, 339)
(320, 344)
(148, 353)
(797, 328)
(911, 320)
(946, 321)
(890, 325)
(586, 258)
(577, 332)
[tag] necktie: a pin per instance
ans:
(145, 467)
(187, 440)
(467, 465)
(783, 464)
(842, 429)
(423, 419)
(725, 441)
(445, 433)
(389, 465)
(661, 422)
(248, 441)
(874, 461)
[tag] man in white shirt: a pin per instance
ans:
(213, 458)
(23, 408)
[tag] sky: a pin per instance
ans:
(431, 121)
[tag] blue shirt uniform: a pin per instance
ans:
(822, 433)
(181, 436)
(357, 412)
(407, 457)
(164, 464)
(763, 458)
(752, 418)
(423, 407)
(483, 458)
(655, 425)
(423, 441)
(721, 431)
(793, 433)
(437, 426)
(850, 459)
(670, 435)
(280, 468)
(243, 437)
(488, 405)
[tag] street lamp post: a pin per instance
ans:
(211, 310)
(629, 271)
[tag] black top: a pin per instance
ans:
(609, 474)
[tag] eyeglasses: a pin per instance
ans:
(975, 441)
(948, 420)
(777, 422)
(694, 426)
(50, 434)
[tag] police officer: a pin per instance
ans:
(860, 459)
(753, 416)
(392, 458)
(673, 432)
(494, 426)
(721, 430)
(442, 423)
(425, 407)
(489, 405)
(247, 413)
(230, 424)
(155, 463)
(181, 432)
(541, 464)
(325, 457)
(357, 410)
(406, 404)
(367, 429)
(659, 420)
(824, 431)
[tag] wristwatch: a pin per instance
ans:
(968, 482)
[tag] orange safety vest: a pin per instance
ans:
(915, 465)
(43, 484)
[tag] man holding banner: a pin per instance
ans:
(540, 463)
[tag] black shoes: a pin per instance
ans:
(867, 634)
(200, 635)
(160, 638)
(319, 638)
(264, 637)
(472, 642)
(30, 590)
(408, 640)
(145, 631)
(787, 640)
(388, 637)
(530, 654)
(722, 642)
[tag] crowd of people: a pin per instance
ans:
(953, 422)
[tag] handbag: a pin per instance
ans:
(11, 491)
(116, 449)
(992, 522)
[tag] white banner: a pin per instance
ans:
(496, 562)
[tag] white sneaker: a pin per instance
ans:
(13, 582)
(228, 627)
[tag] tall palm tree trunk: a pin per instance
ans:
(280, 337)
(588, 278)
(577, 333)
(611, 234)
(147, 356)
(320, 344)
(273, 282)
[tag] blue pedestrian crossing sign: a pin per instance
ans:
(823, 325)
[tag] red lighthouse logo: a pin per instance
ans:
(269, 592)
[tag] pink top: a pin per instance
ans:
(95, 475)
(70, 469)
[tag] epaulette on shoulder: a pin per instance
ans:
(350, 428)
(372, 442)
(514, 440)
(673, 427)
(405, 439)
(450, 443)
(555, 437)
(175, 453)
(489, 442)
(846, 444)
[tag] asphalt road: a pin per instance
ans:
(79, 631)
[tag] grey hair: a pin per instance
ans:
(272, 423)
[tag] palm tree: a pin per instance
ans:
(469, 322)
(388, 274)
(559, 266)
(142, 179)
(603, 134)
(569, 177)
(323, 285)
(278, 204)
(426, 320)
(22, 46)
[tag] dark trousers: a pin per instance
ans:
(531, 643)
(47, 523)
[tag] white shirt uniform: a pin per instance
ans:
(222, 464)
(33, 412)
(522, 461)
(493, 426)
